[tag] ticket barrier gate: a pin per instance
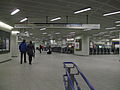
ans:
(99, 51)
(70, 80)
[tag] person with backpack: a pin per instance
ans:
(23, 50)
(30, 51)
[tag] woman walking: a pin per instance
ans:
(30, 51)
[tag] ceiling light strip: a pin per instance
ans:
(72, 32)
(117, 22)
(111, 28)
(80, 11)
(57, 33)
(24, 19)
(118, 25)
(15, 11)
(44, 33)
(108, 14)
(43, 29)
(54, 19)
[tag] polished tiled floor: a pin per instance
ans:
(47, 70)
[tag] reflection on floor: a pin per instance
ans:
(46, 72)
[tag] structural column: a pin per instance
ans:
(14, 45)
(81, 45)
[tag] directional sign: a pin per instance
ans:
(58, 25)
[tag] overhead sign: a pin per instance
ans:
(58, 25)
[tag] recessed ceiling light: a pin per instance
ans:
(36, 38)
(111, 28)
(71, 39)
(31, 34)
(115, 39)
(49, 34)
(83, 10)
(88, 29)
(106, 35)
(43, 29)
(44, 33)
(68, 35)
(24, 19)
(26, 32)
(117, 22)
(115, 31)
(54, 19)
(72, 32)
(15, 11)
(57, 33)
(112, 36)
(118, 25)
(107, 14)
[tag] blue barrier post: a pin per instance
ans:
(71, 77)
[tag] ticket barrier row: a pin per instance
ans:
(56, 49)
(67, 50)
(63, 50)
(98, 51)
(115, 51)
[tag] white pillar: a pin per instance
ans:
(84, 46)
(14, 45)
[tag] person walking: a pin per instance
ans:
(40, 48)
(23, 50)
(30, 51)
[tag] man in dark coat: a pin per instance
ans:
(23, 50)
(30, 51)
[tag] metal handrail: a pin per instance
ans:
(79, 72)
(69, 79)
(66, 88)
(83, 76)
(78, 87)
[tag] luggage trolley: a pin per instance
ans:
(69, 78)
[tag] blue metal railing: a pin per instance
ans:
(69, 83)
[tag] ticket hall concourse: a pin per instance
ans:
(77, 44)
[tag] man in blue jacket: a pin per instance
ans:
(23, 50)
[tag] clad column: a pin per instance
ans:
(81, 45)
(14, 45)
(85, 45)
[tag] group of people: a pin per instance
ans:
(27, 48)
(48, 49)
